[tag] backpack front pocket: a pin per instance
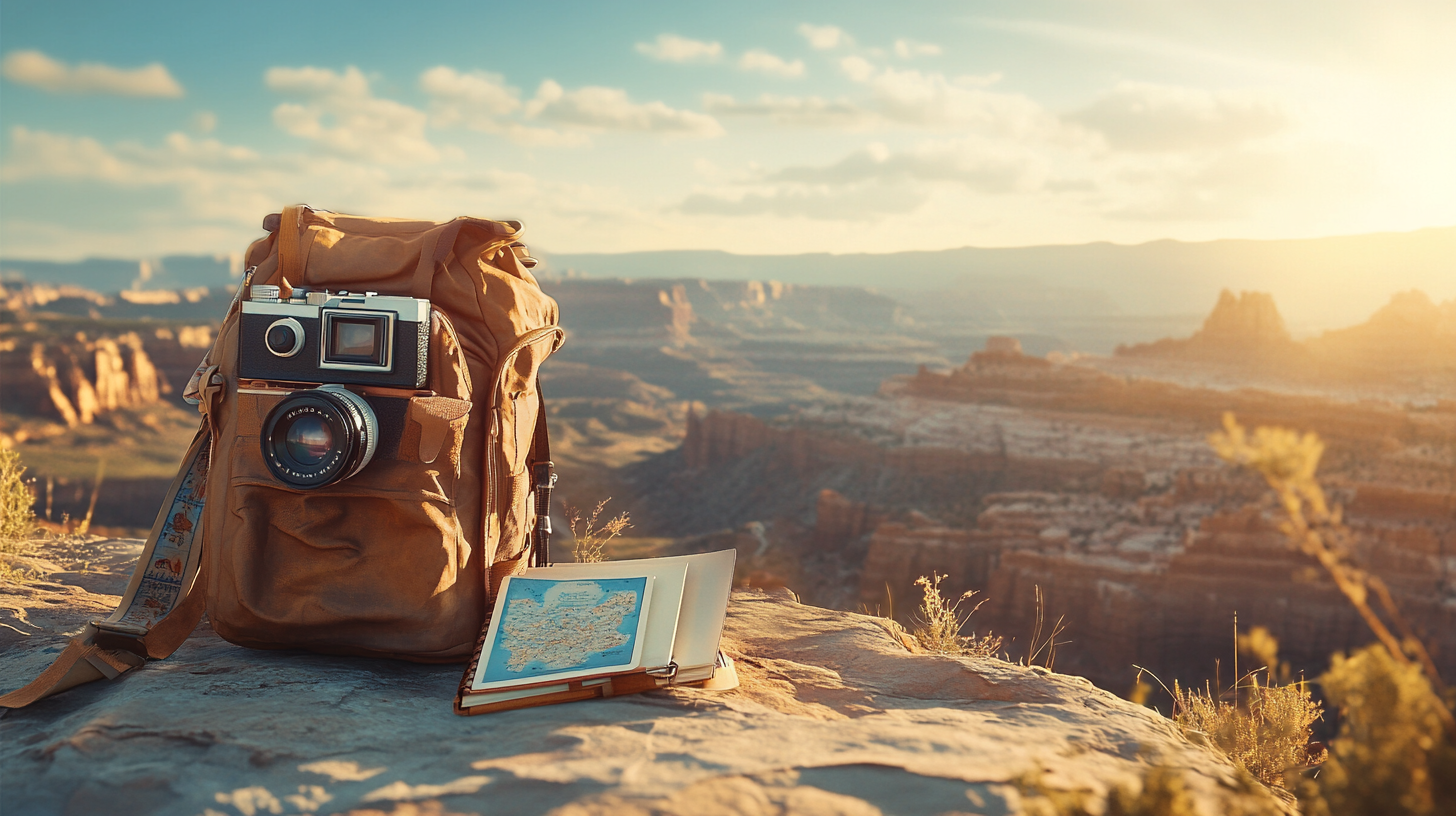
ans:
(369, 564)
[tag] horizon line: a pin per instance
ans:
(548, 253)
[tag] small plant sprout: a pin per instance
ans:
(591, 539)
(939, 622)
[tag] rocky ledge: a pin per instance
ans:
(834, 716)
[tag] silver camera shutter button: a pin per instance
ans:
(284, 338)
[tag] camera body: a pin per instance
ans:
(321, 435)
(342, 338)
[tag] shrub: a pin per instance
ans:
(17, 519)
(1392, 755)
(1265, 730)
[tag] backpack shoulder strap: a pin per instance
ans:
(163, 601)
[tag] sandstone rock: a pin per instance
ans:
(1410, 335)
(1008, 346)
(1245, 329)
(833, 716)
(1250, 318)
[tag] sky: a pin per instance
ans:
(140, 130)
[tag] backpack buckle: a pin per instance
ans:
(543, 478)
(126, 637)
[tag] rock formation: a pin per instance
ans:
(834, 715)
(74, 380)
(1411, 335)
(1244, 329)
(1410, 342)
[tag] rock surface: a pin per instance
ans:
(833, 716)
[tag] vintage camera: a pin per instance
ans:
(319, 436)
(325, 337)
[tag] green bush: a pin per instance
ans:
(17, 519)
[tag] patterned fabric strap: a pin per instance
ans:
(163, 601)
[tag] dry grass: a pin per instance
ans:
(592, 538)
(939, 623)
(1265, 730)
(1044, 650)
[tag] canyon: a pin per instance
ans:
(846, 446)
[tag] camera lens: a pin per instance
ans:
(319, 437)
(308, 440)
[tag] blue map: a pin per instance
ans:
(548, 627)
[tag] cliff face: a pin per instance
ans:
(1098, 490)
(833, 715)
(673, 307)
(1248, 319)
(1157, 582)
(74, 380)
(143, 352)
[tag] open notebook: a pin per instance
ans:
(577, 631)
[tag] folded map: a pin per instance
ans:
(576, 631)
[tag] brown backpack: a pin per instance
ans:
(399, 556)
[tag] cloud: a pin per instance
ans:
(979, 165)
(222, 191)
(910, 49)
(1139, 116)
(609, 109)
(463, 96)
(341, 113)
(800, 111)
(875, 182)
(39, 154)
(37, 70)
(311, 81)
(906, 98)
(1248, 181)
(911, 97)
(858, 69)
(672, 48)
(825, 37)
(204, 121)
(867, 203)
(763, 61)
